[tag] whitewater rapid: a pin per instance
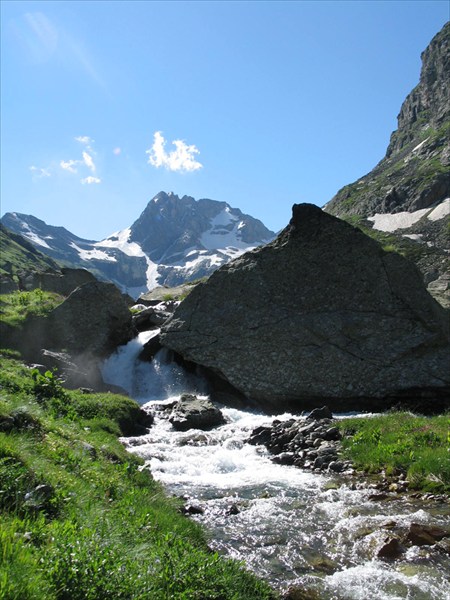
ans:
(290, 526)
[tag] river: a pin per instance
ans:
(291, 527)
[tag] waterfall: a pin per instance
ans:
(144, 381)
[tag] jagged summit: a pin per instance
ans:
(170, 225)
(173, 240)
(428, 103)
(414, 174)
(408, 192)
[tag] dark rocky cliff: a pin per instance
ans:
(428, 103)
(414, 175)
(410, 177)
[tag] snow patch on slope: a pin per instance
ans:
(420, 145)
(151, 274)
(92, 254)
(120, 241)
(224, 233)
(441, 211)
(32, 236)
(391, 222)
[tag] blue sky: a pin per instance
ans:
(268, 103)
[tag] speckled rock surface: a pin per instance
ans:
(320, 313)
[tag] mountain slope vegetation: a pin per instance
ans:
(19, 255)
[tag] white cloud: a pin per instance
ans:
(69, 165)
(90, 179)
(181, 159)
(39, 172)
(117, 151)
(88, 161)
(84, 139)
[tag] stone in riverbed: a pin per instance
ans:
(191, 412)
(284, 458)
(425, 535)
(336, 466)
(391, 549)
(320, 413)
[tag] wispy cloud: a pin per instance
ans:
(45, 40)
(70, 165)
(80, 55)
(89, 180)
(117, 151)
(73, 166)
(181, 159)
(84, 139)
(39, 172)
(86, 160)
(40, 36)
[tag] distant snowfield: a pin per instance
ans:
(119, 240)
(225, 232)
(392, 222)
(92, 254)
(151, 274)
(218, 244)
(33, 237)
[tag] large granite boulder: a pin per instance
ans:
(91, 322)
(95, 317)
(323, 313)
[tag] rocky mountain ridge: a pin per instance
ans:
(408, 193)
(174, 240)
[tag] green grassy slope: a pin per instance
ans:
(17, 255)
(80, 518)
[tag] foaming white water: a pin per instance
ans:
(285, 523)
(385, 582)
(123, 368)
(156, 380)
(215, 459)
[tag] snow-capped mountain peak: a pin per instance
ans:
(174, 240)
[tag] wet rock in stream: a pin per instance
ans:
(435, 538)
(391, 549)
(311, 443)
(191, 412)
(425, 535)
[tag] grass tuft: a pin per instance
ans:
(401, 442)
(18, 306)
